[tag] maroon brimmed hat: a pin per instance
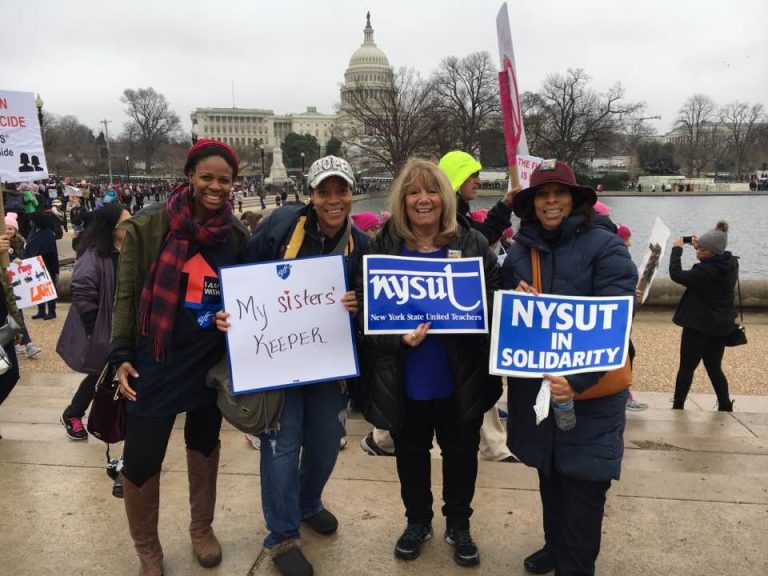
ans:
(228, 151)
(556, 172)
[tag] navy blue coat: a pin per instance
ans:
(585, 261)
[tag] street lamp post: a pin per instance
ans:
(194, 133)
(303, 184)
(39, 106)
(128, 167)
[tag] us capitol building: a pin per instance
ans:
(368, 69)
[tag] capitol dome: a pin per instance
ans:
(368, 66)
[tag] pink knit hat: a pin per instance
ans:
(623, 232)
(602, 208)
(479, 215)
(365, 220)
(11, 221)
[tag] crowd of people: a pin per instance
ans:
(131, 308)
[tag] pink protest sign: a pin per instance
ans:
(514, 131)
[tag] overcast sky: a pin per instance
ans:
(286, 55)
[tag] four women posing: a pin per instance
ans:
(416, 385)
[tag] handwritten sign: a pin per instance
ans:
(288, 325)
(537, 335)
(402, 292)
(31, 282)
(22, 158)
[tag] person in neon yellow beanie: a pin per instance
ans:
(463, 171)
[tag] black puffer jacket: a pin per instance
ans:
(382, 361)
(707, 304)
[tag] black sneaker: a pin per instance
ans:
(323, 522)
(465, 551)
(408, 546)
(540, 562)
(74, 427)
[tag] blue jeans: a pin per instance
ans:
(298, 458)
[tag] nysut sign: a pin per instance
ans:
(537, 335)
(402, 292)
(22, 158)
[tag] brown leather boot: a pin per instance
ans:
(202, 472)
(141, 506)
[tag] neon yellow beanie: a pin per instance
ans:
(458, 166)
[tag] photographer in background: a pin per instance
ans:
(705, 312)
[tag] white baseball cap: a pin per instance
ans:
(327, 166)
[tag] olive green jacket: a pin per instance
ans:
(145, 233)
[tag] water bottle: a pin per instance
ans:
(565, 415)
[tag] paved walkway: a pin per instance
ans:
(693, 500)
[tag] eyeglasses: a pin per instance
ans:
(475, 175)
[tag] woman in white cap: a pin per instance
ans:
(706, 311)
(303, 447)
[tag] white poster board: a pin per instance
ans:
(22, 158)
(525, 167)
(32, 285)
(657, 243)
(288, 325)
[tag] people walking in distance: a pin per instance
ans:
(705, 311)
(579, 256)
(42, 242)
(164, 342)
(412, 387)
(239, 199)
(463, 172)
(298, 455)
(84, 340)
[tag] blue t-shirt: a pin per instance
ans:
(428, 373)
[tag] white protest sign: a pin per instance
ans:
(71, 191)
(511, 105)
(657, 244)
(525, 167)
(31, 282)
(22, 158)
(288, 325)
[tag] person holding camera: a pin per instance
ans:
(705, 312)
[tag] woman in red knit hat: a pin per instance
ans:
(164, 342)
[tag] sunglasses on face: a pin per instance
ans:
(475, 175)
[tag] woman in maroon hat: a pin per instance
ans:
(580, 256)
(164, 342)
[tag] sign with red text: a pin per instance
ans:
(288, 325)
(31, 282)
(22, 158)
(525, 166)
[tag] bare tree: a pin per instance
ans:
(742, 122)
(150, 112)
(695, 124)
(466, 93)
(569, 121)
(389, 124)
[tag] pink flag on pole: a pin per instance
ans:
(514, 131)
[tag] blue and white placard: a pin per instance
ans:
(288, 325)
(537, 335)
(402, 292)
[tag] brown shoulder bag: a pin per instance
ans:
(612, 381)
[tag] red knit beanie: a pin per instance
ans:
(203, 143)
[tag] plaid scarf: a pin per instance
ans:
(160, 294)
